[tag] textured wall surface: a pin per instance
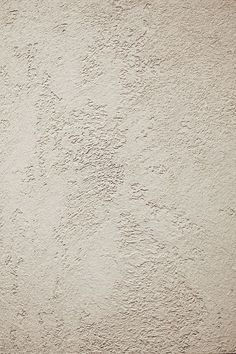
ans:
(117, 177)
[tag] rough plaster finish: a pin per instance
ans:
(117, 176)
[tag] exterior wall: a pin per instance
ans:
(117, 177)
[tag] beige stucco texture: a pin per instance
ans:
(117, 176)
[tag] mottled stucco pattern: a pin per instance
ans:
(117, 177)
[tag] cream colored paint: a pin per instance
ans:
(117, 192)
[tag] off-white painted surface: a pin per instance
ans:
(117, 176)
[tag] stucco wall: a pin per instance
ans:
(117, 177)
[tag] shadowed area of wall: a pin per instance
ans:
(117, 176)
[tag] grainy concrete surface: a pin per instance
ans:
(117, 177)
